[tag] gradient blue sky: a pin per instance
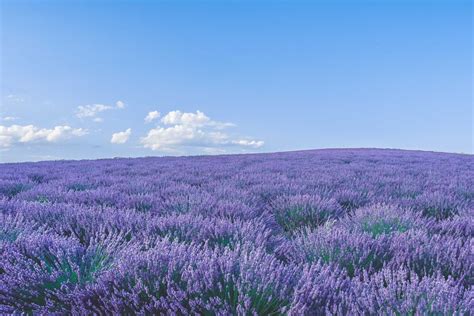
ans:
(288, 75)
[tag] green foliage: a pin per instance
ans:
(383, 226)
(11, 190)
(300, 217)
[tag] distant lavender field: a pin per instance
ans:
(301, 233)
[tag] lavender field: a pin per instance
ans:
(300, 233)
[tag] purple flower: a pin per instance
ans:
(337, 232)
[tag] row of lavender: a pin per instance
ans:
(313, 232)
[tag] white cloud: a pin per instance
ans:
(166, 138)
(193, 119)
(121, 137)
(92, 110)
(120, 104)
(248, 143)
(15, 98)
(29, 133)
(177, 117)
(9, 118)
(193, 130)
(153, 115)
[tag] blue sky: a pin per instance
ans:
(232, 77)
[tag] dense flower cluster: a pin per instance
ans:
(304, 233)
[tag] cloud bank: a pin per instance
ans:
(187, 129)
(175, 132)
(13, 134)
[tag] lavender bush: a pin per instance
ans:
(338, 232)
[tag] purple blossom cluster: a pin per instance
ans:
(338, 232)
